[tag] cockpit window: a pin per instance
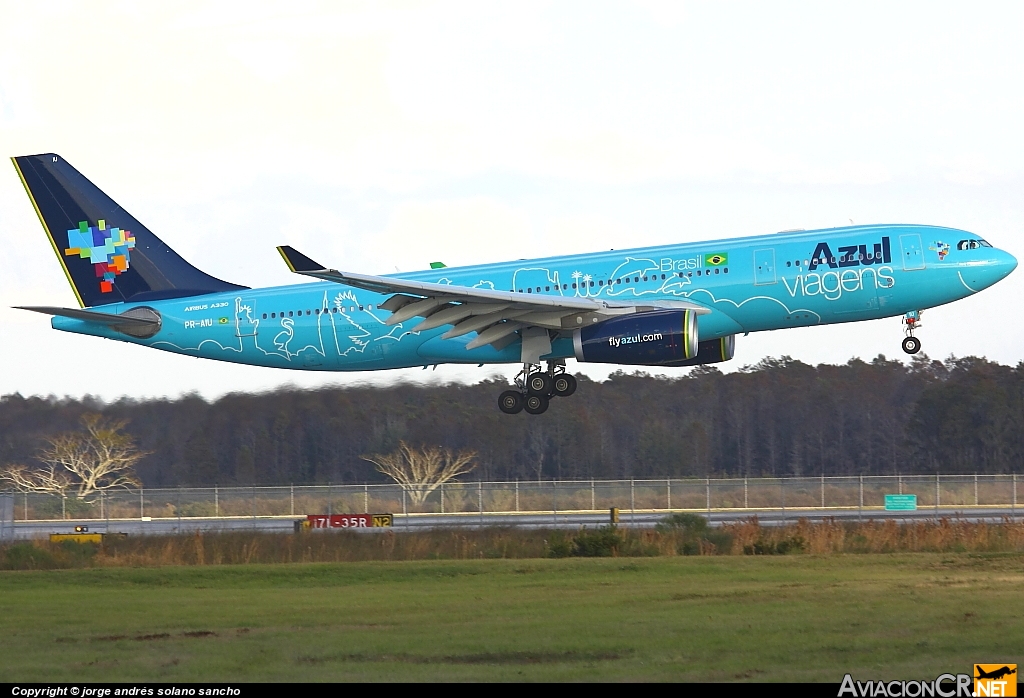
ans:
(972, 244)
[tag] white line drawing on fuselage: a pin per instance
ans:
(285, 336)
(246, 322)
(361, 337)
(715, 300)
(527, 279)
(636, 268)
(283, 339)
(965, 283)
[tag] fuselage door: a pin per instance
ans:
(764, 267)
(913, 255)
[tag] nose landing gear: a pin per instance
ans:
(912, 320)
(535, 387)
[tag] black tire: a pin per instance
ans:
(511, 402)
(911, 345)
(564, 385)
(536, 404)
(538, 384)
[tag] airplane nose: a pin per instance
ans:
(994, 269)
(1007, 262)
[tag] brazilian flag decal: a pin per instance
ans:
(717, 259)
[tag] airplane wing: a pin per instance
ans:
(494, 315)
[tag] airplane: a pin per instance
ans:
(673, 305)
(995, 674)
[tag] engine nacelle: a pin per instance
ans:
(711, 351)
(656, 338)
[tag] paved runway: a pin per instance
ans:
(564, 520)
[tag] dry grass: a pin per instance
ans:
(750, 537)
(945, 535)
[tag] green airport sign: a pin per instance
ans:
(901, 502)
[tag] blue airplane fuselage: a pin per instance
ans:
(753, 284)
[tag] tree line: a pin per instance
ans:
(780, 417)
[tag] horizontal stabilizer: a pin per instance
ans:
(94, 316)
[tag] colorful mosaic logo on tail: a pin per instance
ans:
(107, 248)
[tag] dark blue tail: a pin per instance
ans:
(107, 255)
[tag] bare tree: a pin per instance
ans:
(420, 471)
(102, 457)
(48, 480)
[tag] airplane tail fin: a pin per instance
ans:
(107, 255)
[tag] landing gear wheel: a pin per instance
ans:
(536, 404)
(564, 385)
(511, 402)
(911, 345)
(538, 384)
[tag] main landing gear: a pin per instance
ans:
(912, 320)
(535, 387)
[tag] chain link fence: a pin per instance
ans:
(557, 496)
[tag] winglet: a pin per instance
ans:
(298, 262)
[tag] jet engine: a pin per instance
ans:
(711, 351)
(655, 338)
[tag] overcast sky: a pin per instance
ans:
(377, 137)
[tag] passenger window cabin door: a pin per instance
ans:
(911, 251)
(764, 267)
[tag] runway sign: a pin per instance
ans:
(901, 502)
(349, 520)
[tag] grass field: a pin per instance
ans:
(712, 618)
